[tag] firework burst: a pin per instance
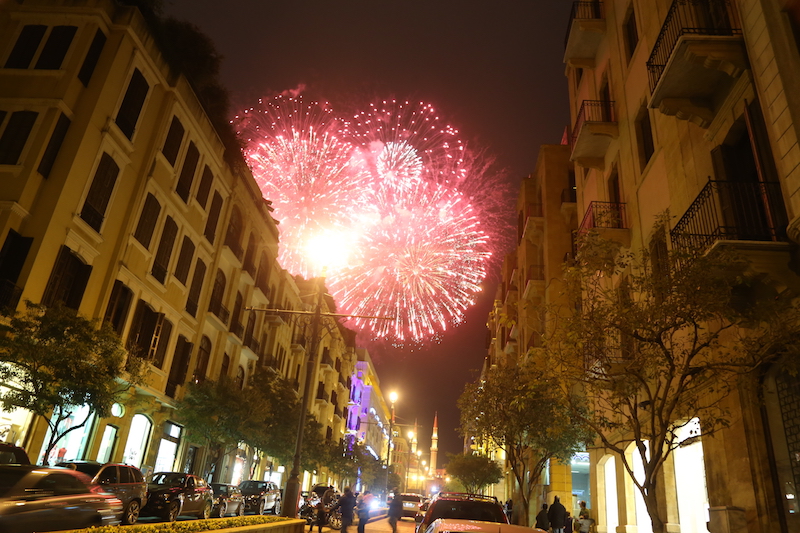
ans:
(398, 181)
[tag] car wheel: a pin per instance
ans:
(206, 512)
(262, 507)
(173, 511)
(276, 509)
(222, 511)
(131, 513)
(240, 512)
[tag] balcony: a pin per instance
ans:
(237, 328)
(595, 128)
(609, 220)
(731, 211)
(534, 282)
(530, 221)
(587, 27)
(219, 310)
(696, 60)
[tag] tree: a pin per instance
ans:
(474, 471)
(656, 341)
(53, 362)
(522, 410)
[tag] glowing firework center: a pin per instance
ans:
(381, 188)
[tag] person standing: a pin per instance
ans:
(395, 510)
(347, 503)
(509, 509)
(363, 510)
(542, 521)
(568, 523)
(557, 515)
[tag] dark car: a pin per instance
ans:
(227, 499)
(172, 494)
(36, 498)
(260, 496)
(13, 455)
(462, 505)
(126, 482)
(412, 504)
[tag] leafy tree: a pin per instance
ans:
(657, 340)
(522, 410)
(53, 362)
(474, 471)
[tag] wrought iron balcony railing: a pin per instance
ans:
(690, 17)
(593, 111)
(604, 215)
(221, 312)
(584, 10)
(729, 210)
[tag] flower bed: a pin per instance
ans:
(244, 524)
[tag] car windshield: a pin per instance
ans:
(253, 485)
(468, 510)
(168, 479)
(89, 469)
(219, 488)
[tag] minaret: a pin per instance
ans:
(434, 443)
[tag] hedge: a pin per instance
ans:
(187, 526)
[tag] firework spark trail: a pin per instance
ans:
(398, 177)
(306, 171)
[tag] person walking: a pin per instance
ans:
(395, 510)
(363, 507)
(542, 521)
(557, 515)
(346, 504)
(509, 509)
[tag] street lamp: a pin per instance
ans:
(392, 400)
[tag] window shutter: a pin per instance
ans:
(56, 47)
(132, 103)
(92, 57)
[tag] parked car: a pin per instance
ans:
(13, 455)
(464, 506)
(455, 525)
(227, 499)
(260, 496)
(173, 494)
(36, 498)
(412, 504)
(126, 482)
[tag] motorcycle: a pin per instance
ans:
(308, 512)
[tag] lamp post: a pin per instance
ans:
(392, 399)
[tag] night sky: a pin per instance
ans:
(493, 69)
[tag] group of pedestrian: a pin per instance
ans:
(348, 505)
(559, 520)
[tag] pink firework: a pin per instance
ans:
(306, 171)
(401, 180)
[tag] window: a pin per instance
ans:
(128, 114)
(149, 334)
(644, 132)
(105, 177)
(203, 355)
(187, 172)
(172, 144)
(15, 135)
(184, 260)
(239, 380)
(118, 306)
(92, 57)
(217, 294)
(54, 145)
(249, 256)
(262, 279)
(197, 286)
(147, 221)
(56, 47)
(12, 258)
(226, 364)
(164, 252)
(67, 281)
(205, 187)
(236, 324)
(233, 237)
(213, 218)
(180, 366)
(630, 34)
(26, 46)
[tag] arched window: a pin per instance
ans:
(138, 439)
(262, 279)
(226, 365)
(240, 378)
(233, 237)
(217, 293)
(236, 317)
(250, 254)
(203, 355)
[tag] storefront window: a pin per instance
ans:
(107, 444)
(168, 447)
(71, 446)
(139, 435)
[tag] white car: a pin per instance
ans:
(457, 525)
